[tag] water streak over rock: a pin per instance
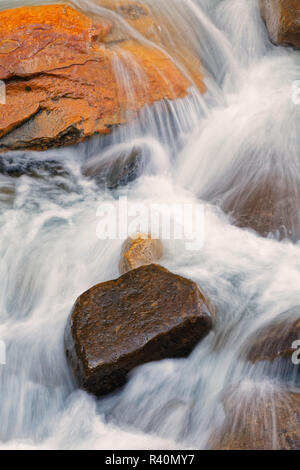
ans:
(139, 251)
(282, 18)
(275, 339)
(259, 419)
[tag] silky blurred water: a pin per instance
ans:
(192, 149)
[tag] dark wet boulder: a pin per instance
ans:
(146, 315)
(282, 18)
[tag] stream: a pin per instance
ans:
(245, 125)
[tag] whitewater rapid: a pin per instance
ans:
(50, 252)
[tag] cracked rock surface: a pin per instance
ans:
(62, 80)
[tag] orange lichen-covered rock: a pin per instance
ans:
(63, 82)
(138, 251)
(265, 205)
(155, 26)
(275, 339)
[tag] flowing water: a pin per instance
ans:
(246, 124)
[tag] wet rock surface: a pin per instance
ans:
(258, 419)
(265, 204)
(282, 18)
(45, 38)
(138, 251)
(146, 315)
(154, 25)
(275, 339)
(22, 165)
(61, 82)
(117, 171)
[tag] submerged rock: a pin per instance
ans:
(46, 38)
(146, 315)
(275, 339)
(139, 251)
(17, 166)
(258, 419)
(151, 22)
(63, 81)
(282, 18)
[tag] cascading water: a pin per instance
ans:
(211, 147)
